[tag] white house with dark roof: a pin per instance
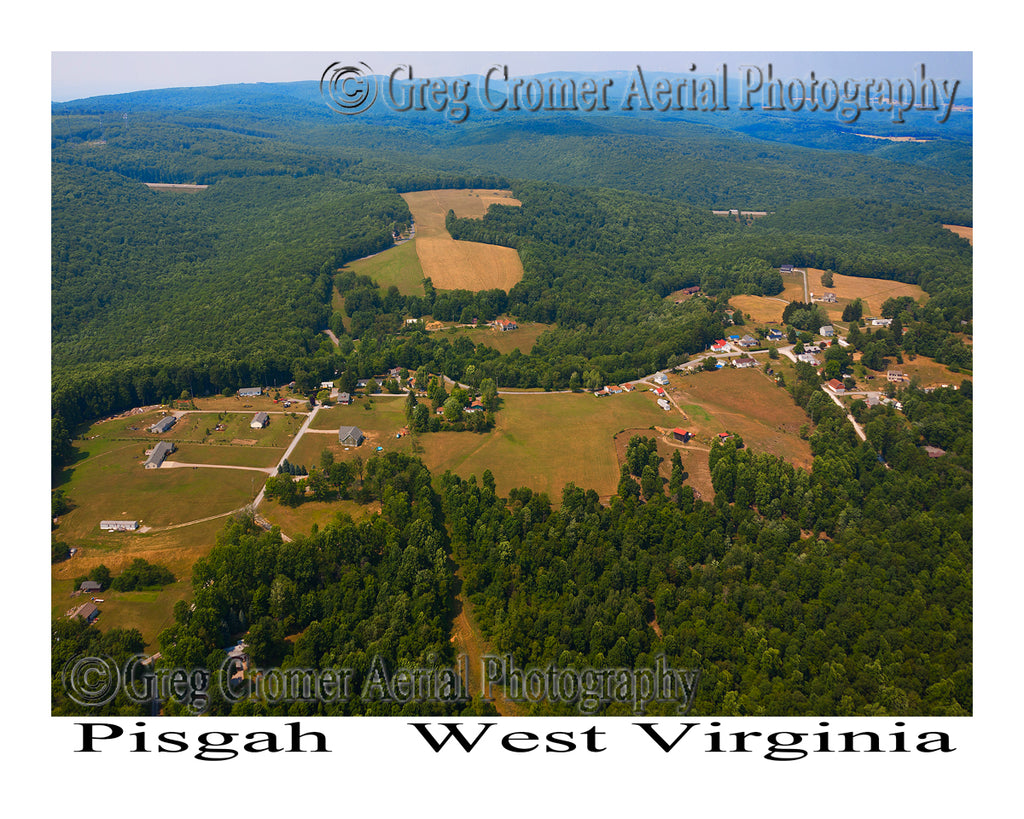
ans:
(259, 420)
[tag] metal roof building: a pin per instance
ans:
(160, 451)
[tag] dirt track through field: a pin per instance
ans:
(470, 643)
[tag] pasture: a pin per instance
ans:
(522, 339)
(745, 402)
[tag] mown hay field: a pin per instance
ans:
(761, 309)
(873, 292)
(452, 265)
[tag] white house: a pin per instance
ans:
(661, 378)
(259, 420)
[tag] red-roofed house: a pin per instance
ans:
(720, 346)
(506, 324)
(836, 386)
(681, 434)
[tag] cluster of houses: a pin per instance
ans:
(723, 345)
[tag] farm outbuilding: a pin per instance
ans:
(163, 424)
(119, 525)
(158, 453)
(350, 436)
(259, 420)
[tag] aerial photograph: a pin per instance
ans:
(516, 406)
(515, 384)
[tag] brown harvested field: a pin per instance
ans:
(962, 231)
(794, 286)
(760, 308)
(873, 292)
(452, 265)
(746, 402)
(430, 207)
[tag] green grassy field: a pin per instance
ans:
(108, 481)
(261, 457)
(522, 339)
(200, 428)
(399, 266)
(547, 441)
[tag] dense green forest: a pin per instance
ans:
(845, 589)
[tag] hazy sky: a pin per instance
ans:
(78, 74)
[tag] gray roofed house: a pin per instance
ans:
(250, 392)
(259, 420)
(164, 424)
(160, 451)
(350, 436)
(87, 612)
(90, 586)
